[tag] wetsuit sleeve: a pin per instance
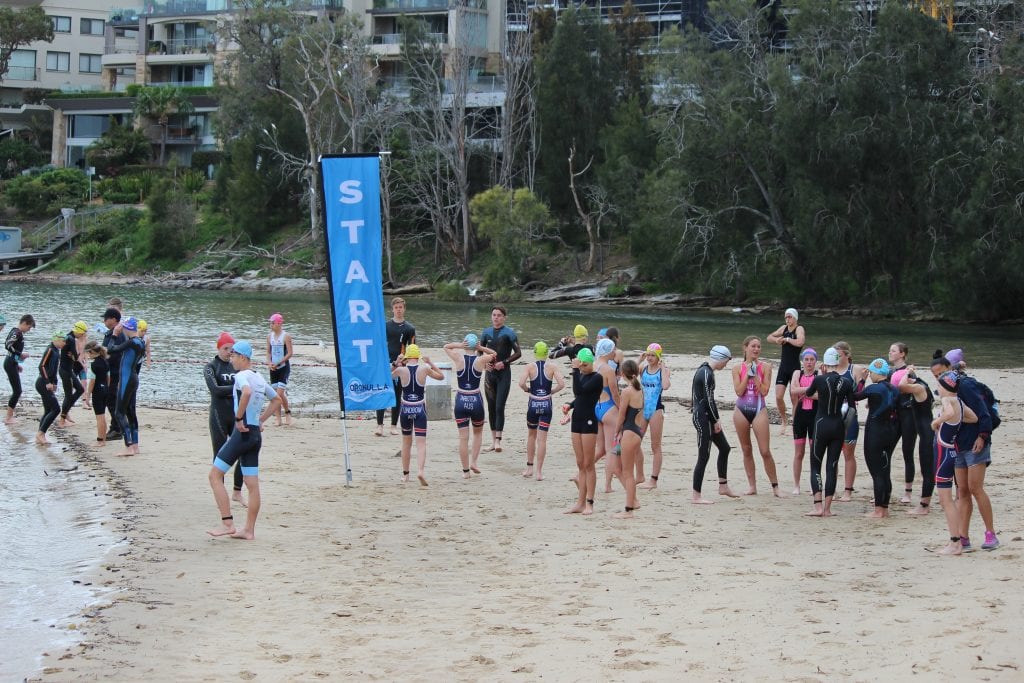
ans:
(812, 389)
(44, 362)
(709, 392)
(216, 390)
(118, 347)
(10, 343)
(562, 349)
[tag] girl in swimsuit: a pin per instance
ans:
(413, 418)
(655, 379)
(803, 412)
(752, 379)
(630, 430)
(607, 410)
(469, 402)
(541, 379)
(946, 426)
(586, 386)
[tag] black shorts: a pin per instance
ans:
(279, 376)
(99, 400)
(786, 374)
(803, 424)
(243, 448)
(584, 423)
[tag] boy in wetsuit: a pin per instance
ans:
(498, 381)
(14, 348)
(69, 371)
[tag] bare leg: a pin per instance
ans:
(780, 403)
(220, 496)
(799, 449)
(10, 416)
(816, 512)
(976, 480)
(474, 457)
(581, 480)
(531, 450)
(630, 447)
(964, 501)
(607, 433)
(542, 450)
(285, 408)
(252, 485)
(101, 430)
(589, 471)
(849, 471)
(406, 455)
(949, 507)
(743, 434)
(638, 466)
(655, 428)
(464, 450)
(763, 435)
(421, 459)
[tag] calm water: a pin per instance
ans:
(45, 552)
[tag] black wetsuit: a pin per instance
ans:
(498, 383)
(70, 368)
(705, 417)
(220, 378)
(832, 390)
(587, 392)
(113, 341)
(790, 359)
(399, 335)
(915, 426)
(48, 365)
(563, 350)
(130, 352)
(880, 433)
(14, 345)
(100, 384)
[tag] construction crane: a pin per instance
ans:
(941, 10)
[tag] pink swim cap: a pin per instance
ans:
(276, 318)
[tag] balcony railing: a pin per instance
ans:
(22, 73)
(396, 38)
(124, 16)
(188, 46)
(426, 4)
(181, 84)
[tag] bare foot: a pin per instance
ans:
(497, 447)
(127, 452)
(237, 498)
(539, 477)
(278, 422)
(66, 421)
(784, 431)
(816, 512)
(623, 515)
(845, 498)
(474, 469)
(875, 514)
(777, 492)
(752, 491)
(288, 420)
(906, 499)
(42, 440)
(405, 478)
(222, 530)
(489, 449)
(795, 492)
(697, 499)
(244, 535)
(649, 485)
(574, 510)
(608, 489)
(466, 475)
(724, 490)
(8, 420)
(588, 509)
(952, 549)
(423, 480)
(919, 510)
(379, 431)
(394, 431)
(528, 472)
(100, 443)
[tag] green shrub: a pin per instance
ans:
(505, 294)
(204, 158)
(90, 252)
(451, 291)
(17, 154)
(193, 181)
(121, 198)
(615, 289)
(47, 193)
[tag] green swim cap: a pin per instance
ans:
(540, 350)
(585, 356)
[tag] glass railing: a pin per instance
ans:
(396, 38)
(171, 8)
(188, 46)
(181, 84)
(427, 4)
(22, 73)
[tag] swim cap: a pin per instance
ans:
(59, 334)
(949, 381)
(809, 352)
(719, 352)
(412, 351)
(80, 327)
(225, 339)
(879, 366)
(131, 324)
(540, 350)
(604, 347)
(603, 332)
(654, 348)
(792, 312)
(143, 326)
(242, 348)
(276, 318)
(831, 357)
(579, 331)
(471, 341)
(585, 356)
(955, 356)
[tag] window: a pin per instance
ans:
(61, 24)
(89, 64)
(22, 66)
(92, 27)
(58, 61)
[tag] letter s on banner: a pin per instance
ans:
(351, 185)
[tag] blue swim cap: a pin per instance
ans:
(603, 332)
(879, 366)
(131, 324)
(471, 341)
(242, 348)
(604, 347)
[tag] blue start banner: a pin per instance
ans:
(351, 192)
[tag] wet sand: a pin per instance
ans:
(487, 579)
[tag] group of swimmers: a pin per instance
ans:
(103, 374)
(617, 403)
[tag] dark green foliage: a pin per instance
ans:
(47, 193)
(17, 154)
(170, 219)
(120, 146)
(251, 191)
(204, 158)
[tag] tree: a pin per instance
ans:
(21, 27)
(157, 104)
(515, 222)
(119, 146)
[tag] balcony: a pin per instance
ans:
(22, 73)
(201, 83)
(387, 6)
(129, 16)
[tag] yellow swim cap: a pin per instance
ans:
(143, 326)
(412, 351)
(579, 331)
(540, 350)
(80, 327)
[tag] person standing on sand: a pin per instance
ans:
(655, 379)
(112, 340)
(833, 391)
(708, 424)
(219, 374)
(131, 352)
(541, 380)
(413, 377)
(880, 433)
(856, 374)
(629, 430)
(279, 354)
(498, 381)
(46, 385)
(791, 338)
(97, 391)
(469, 404)
(400, 333)
(752, 379)
(586, 386)
(14, 350)
(254, 401)
(803, 412)
(953, 414)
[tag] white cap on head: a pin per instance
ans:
(830, 357)
(792, 312)
(604, 347)
(719, 352)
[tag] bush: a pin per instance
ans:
(193, 181)
(47, 193)
(119, 147)
(115, 197)
(90, 252)
(615, 289)
(451, 291)
(204, 158)
(17, 154)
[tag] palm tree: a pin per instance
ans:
(158, 104)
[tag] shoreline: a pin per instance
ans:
(337, 576)
(582, 293)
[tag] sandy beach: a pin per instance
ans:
(486, 579)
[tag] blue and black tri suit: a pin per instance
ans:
(881, 430)
(112, 342)
(498, 383)
(48, 365)
(414, 405)
(220, 378)
(132, 353)
(539, 409)
(833, 391)
(14, 346)
(469, 404)
(70, 369)
(705, 417)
